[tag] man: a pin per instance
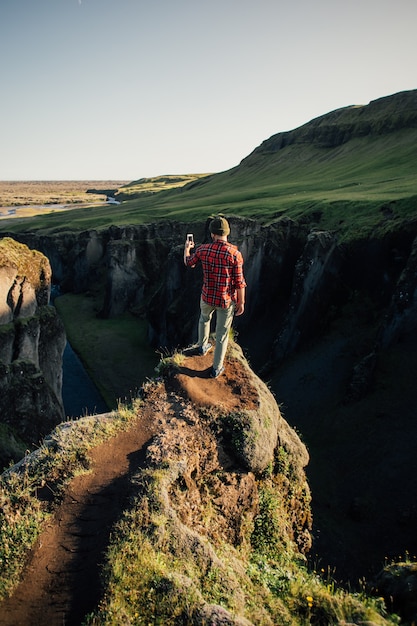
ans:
(223, 288)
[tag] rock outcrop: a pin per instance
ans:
(32, 341)
(316, 275)
(217, 460)
(211, 533)
(402, 313)
(218, 488)
(397, 583)
(399, 322)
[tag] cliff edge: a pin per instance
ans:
(32, 341)
(197, 511)
(207, 474)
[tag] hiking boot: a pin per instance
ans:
(202, 350)
(216, 372)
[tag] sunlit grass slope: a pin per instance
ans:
(339, 183)
(156, 184)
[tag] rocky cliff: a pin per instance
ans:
(323, 317)
(210, 515)
(32, 340)
(379, 117)
(218, 494)
(299, 279)
(225, 478)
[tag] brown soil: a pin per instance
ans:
(61, 583)
(230, 391)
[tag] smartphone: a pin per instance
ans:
(190, 238)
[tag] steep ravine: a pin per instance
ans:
(327, 325)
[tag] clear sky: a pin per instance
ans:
(125, 89)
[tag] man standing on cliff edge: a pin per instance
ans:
(223, 288)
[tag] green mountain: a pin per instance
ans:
(357, 155)
(358, 152)
(352, 159)
(337, 172)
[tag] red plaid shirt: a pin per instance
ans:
(223, 272)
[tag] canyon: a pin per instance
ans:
(322, 319)
(331, 318)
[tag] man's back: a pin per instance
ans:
(222, 269)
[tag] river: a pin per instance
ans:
(79, 394)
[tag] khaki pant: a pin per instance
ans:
(224, 319)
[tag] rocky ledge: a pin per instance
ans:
(220, 446)
(32, 341)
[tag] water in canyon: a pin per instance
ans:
(79, 394)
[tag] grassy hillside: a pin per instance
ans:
(156, 184)
(332, 179)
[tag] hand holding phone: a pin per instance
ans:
(190, 240)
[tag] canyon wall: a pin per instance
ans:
(32, 341)
(299, 279)
(321, 317)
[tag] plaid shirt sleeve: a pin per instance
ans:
(222, 265)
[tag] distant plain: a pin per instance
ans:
(39, 192)
(31, 198)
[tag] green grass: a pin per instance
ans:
(156, 184)
(153, 577)
(22, 513)
(301, 181)
(115, 351)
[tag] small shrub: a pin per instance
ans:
(169, 364)
(269, 533)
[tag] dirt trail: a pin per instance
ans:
(61, 583)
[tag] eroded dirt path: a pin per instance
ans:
(61, 582)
